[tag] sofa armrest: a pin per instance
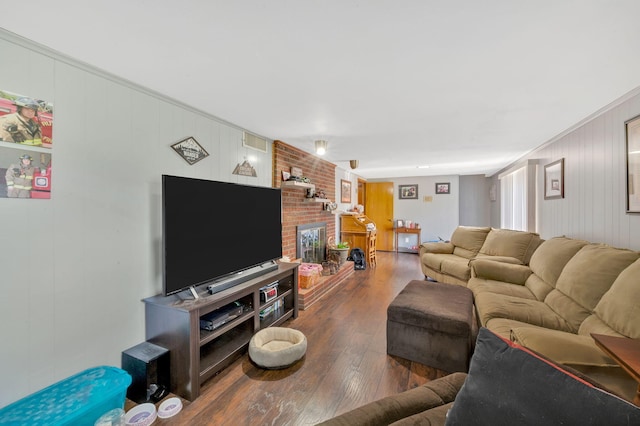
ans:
(408, 403)
(562, 347)
(503, 259)
(499, 271)
(441, 247)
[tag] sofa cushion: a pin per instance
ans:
(510, 243)
(551, 257)
(499, 271)
(434, 260)
(619, 308)
(502, 259)
(480, 285)
(531, 311)
(560, 346)
(593, 324)
(439, 247)
(585, 279)
(508, 385)
(468, 240)
(448, 264)
(538, 287)
(456, 267)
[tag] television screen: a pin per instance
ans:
(212, 230)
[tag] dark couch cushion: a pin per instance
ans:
(510, 385)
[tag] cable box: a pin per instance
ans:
(221, 316)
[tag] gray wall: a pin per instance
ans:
(438, 217)
(74, 268)
(475, 205)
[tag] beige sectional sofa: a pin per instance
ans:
(570, 289)
(448, 262)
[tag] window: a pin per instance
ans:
(517, 198)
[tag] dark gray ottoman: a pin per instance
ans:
(433, 324)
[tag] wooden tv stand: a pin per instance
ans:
(196, 354)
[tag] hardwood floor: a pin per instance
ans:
(346, 364)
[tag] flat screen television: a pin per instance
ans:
(217, 233)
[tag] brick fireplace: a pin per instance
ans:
(296, 211)
(311, 242)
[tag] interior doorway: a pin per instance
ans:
(378, 206)
(362, 188)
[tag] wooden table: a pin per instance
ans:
(404, 230)
(624, 351)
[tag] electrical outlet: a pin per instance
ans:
(427, 198)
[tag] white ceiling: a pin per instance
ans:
(465, 87)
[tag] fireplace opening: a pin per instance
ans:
(311, 240)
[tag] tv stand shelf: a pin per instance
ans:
(197, 354)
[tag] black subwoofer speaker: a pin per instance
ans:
(148, 365)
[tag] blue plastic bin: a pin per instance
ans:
(77, 400)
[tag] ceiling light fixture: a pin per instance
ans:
(321, 147)
(353, 164)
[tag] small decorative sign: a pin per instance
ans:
(245, 169)
(296, 172)
(190, 150)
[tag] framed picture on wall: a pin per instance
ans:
(408, 192)
(443, 188)
(345, 191)
(632, 130)
(554, 180)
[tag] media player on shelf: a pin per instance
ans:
(221, 316)
(269, 292)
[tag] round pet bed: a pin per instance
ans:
(277, 347)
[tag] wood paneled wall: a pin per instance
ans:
(594, 206)
(75, 267)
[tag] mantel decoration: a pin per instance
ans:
(554, 180)
(345, 191)
(408, 192)
(632, 130)
(190, 150)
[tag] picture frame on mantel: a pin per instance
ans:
(554, 180)
(632, 132)
(345, 191)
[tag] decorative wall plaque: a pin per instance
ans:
(190, 150)
(245, 169)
